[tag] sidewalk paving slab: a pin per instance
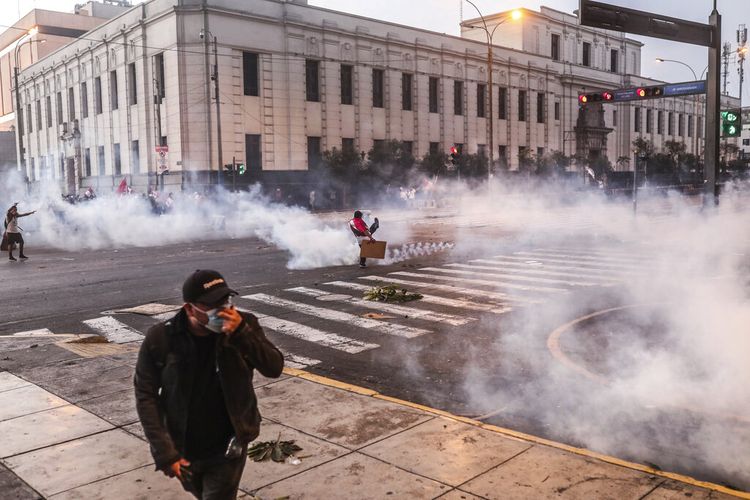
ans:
(46, 428)
(8, 382)
(76, 463)
(117, 408)
(142, 483)
(25, 400)
(12, 487)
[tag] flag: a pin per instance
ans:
(123, 187)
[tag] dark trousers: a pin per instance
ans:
(13, 239)
(373, 228)
(216, 479)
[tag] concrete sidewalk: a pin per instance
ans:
(68, 430)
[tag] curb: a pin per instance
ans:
(294, 372)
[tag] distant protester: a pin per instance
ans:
(194, 388)
(362, 232)
(12, 235)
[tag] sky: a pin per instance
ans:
(445, 16)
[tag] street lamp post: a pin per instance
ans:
(516, 14)
(215, 78)
(19, 126)
(696, 99)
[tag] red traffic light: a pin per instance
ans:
(454, 150)
(607, 96)
(641, 92)
(583, 98)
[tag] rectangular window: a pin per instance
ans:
(660, 122)
(555, 47)
(118, 163)
(407, 82)
(502, 155)
(680, 125)
(84, 100)
(39, 115)
(113, 90)
(557, 110)
(347, 144)
(378, 77)
(253, 154)
(649, 118)
(690, 126)
(586, 54)
(481, 91)
(614, 117)
(408, 147)
(132, 85)
(100, 159)
(699, 132)
(87, 161)
(159, 74)
(378, 144)
(502, 107)
(312, 80)
(135, 158)
(433, 94)
(250, 73)
(540, 107)
(313, 152)
(98, 95)
(29, 118)
(58, 102)
(637, 124)
(521, 105)
(49, 111)
(71, 105)
(613, 60)
(540, 151)
(458, 98)
(434, 148)
(347, 84)
(670, 124)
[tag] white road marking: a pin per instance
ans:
(537, 268)
(564, 266)
(315, 336)
(399, 310)
(607, 261)
(519, 276)
(473, 281)
(42, 332)
(499, 284)
(471, 292)
(340, 316)
(434, 299)
(113, 330)
(605, 256)
(594, 266)
(299, 362)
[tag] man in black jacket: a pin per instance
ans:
(194, 388)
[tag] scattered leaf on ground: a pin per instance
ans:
(391, 293)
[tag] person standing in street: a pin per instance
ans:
(194, 388)
(362, 232)
(13, 231)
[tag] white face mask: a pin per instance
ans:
(215, 322)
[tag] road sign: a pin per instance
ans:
(637, 22)
(640, 93)
(162, 156)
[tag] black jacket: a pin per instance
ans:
(163, 382)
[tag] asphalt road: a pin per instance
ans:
(495, 365)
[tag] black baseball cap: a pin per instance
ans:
(206, 287)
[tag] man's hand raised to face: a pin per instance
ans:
(232, 319)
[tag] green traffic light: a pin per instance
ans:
(241, 168)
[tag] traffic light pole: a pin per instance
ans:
(234, 174)
(713, 106)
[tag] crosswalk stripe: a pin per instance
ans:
(535, 269)
(470, 292)
(434, 299)
(315, 336)
(482, 271)
(586, 259)
(601, 266)
(610, 252)
(113, 330)
(563, 266)
(474, 281)
(42, 332)
(299, 362)
(605, 256)
(499, 283)
(340, 316)
(410, 312)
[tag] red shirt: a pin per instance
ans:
(358, 226)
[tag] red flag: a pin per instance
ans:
(123, 187)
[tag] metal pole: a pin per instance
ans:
(218, 110)
(635, 183)
(713, 107)
(234, 178)
(21, 164)
(491, 166)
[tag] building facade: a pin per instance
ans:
(295, 80)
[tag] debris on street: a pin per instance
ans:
(278, 451)
(391, 293)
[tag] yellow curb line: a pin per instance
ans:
(294, 372)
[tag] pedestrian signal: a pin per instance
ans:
(240, 168)
(454, 155)
(731, 123)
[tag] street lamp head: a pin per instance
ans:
(659, 60)
(202, 33)
(33, 31)
(516, 15)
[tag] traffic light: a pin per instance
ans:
(240, 168)
(605, 96)
(454, 155)
(229, 167)
(649, 92)
(731, 123)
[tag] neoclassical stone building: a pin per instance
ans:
(295, 80)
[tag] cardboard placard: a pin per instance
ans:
(373, 249)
